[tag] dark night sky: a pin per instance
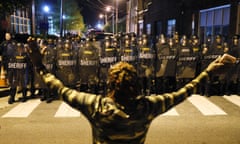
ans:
(92, 8)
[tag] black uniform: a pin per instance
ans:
(89, 67)
(215, 83)
(145, 67)
(66, 65)
(186, 63)
(49, 61)
(233, 75)
(169, 74)
(108, 57)
(17, 72)
(196, 52)
(162, 59)
(128, 53)
(8, 47)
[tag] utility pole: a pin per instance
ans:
(116, 16)
(33, 18)
(61, 18)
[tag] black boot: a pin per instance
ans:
(12, 95)
(24, 95)
(43, 93)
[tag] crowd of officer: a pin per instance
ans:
(163, 64)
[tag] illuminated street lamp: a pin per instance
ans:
(108, 8)
(103, 16)
(111, 9)
(46, 10)
(64, 27)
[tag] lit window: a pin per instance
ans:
(171, 27)
(214, 21)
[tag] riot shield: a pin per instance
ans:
(66, 65)
(89, 67)
(108, 56)
(128, 53)
(145, 67)
(186, 63)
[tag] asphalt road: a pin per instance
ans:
(217, 122)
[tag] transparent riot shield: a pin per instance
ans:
(66, 65)
(108, 57)
(89, 67)
(145, 67)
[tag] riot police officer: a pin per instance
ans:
(217, 80)
(7, 49)
(162, 51)
(66, 64)
(128, 53)
(18, 72)
(205, 59)
(108, 57)
(48, 53)
(88, 62)
(196, 52)
(145, 66)
(186, 63)
(233, 75)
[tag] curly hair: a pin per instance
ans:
(122, 81)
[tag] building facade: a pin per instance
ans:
(19, 22)
(203, 18)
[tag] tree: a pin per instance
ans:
(74, 20)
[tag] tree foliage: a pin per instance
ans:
(74, 20)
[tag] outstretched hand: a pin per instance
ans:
(221, 63)
(34, 53)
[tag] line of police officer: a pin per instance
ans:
(162, 66)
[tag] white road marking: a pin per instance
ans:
(22, 110)
(233, 99)
(65, 110)
(205, 106)
(171, 112)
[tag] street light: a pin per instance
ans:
(46, 10)
(100, 25)
(64, 27)
(111, 9)
(104, 16)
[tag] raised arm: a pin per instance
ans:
(164, 102)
